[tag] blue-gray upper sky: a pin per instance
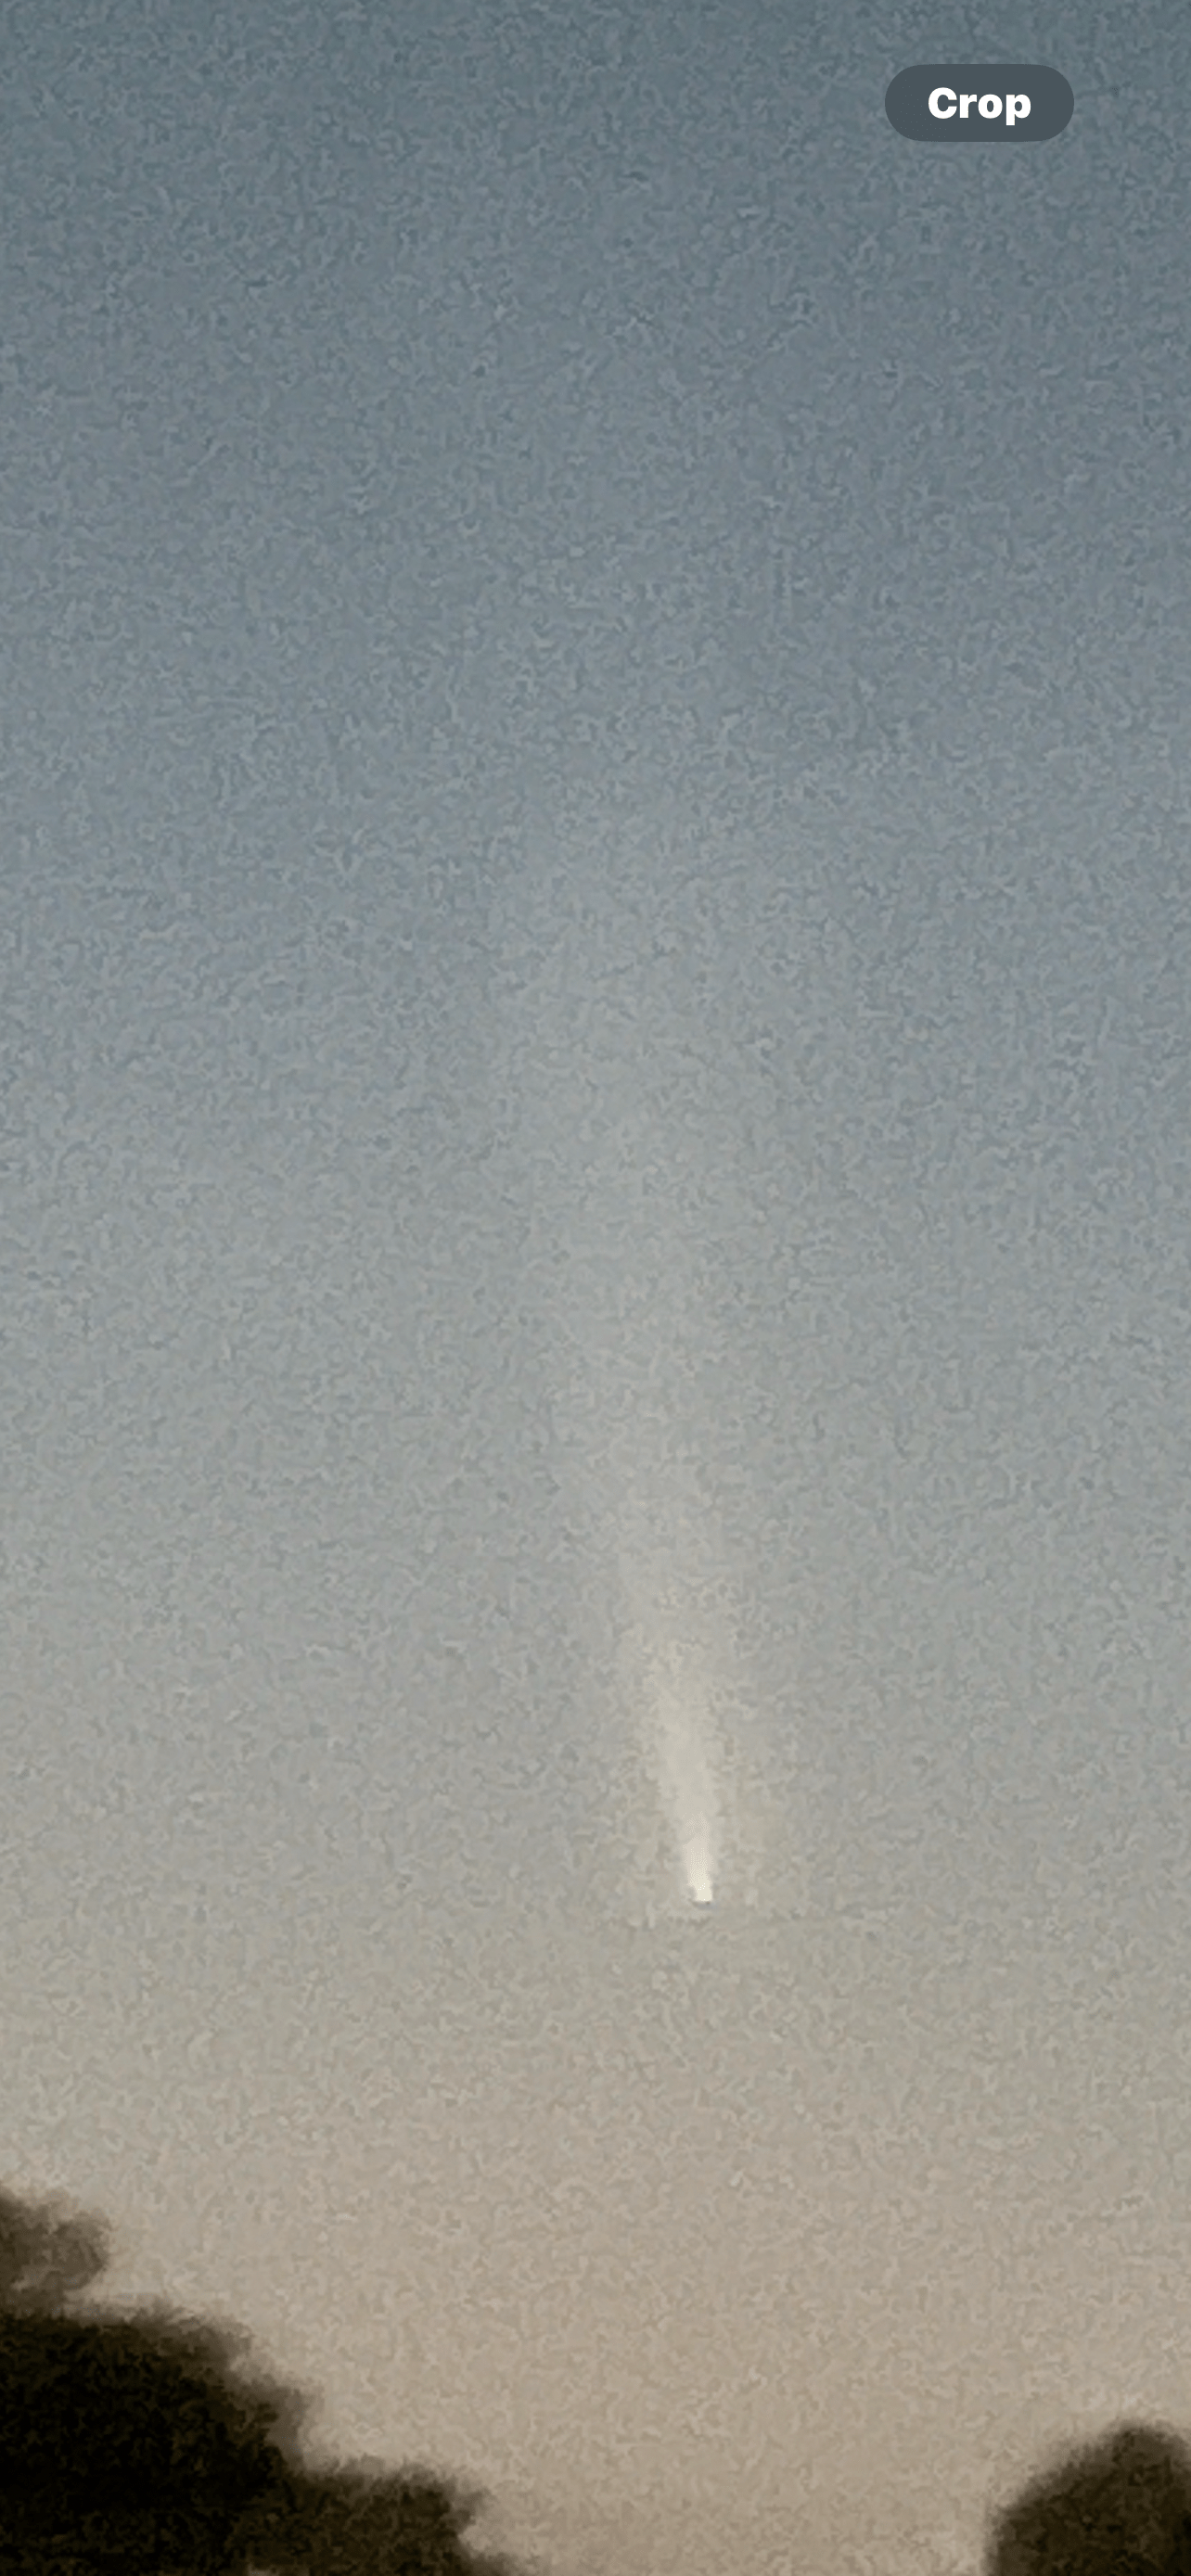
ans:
(595, 1288)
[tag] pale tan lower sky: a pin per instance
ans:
(690, 2266)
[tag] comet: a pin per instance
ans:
(686, 1773)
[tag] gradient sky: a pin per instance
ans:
(596, 904)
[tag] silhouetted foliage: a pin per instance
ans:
(132, 2445)
(359, 2521)
(46, 2259)
(1120, 2506)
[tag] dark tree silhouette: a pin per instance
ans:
(342, 2522)
(1120, 2506)
(46, 2258)
(136, 2444)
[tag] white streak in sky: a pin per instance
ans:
(630, 1140)
(679, 1674)
(686, 1775)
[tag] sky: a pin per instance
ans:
(595, 1316)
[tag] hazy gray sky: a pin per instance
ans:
(594, 1244)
